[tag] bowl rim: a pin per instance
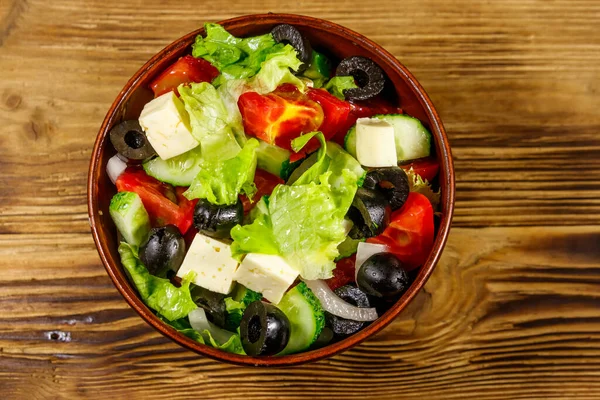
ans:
(448, 198)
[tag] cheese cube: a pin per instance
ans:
(267, 274)
(366, 250)
(167, 126)
(212, 262)
(375, 143)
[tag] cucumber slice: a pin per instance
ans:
(130, 217)
(350, 141)
(306, 317)
(178, 171)
(413, 140)
(272, 159)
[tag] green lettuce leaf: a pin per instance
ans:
(338, 84)
(256, 237)
(235, 311)
(275, 71)
(213, 335)
(157, 293)
(232, 345)
(220, 182)
(210, 121)
(420, 185)
(304, 222)
(319, 167)
(237, 58)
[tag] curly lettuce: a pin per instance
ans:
(220, 182)
(304, 222)
(157, 293)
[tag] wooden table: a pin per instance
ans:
(512, 310)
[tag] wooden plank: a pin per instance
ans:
(508, 311)
(503, 83)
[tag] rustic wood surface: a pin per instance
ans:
(512, 310)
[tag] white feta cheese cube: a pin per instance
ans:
(167, 126)
(375, 143)
(267, 274)
(366, 250)
(212, 262)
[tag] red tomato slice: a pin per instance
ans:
(427, 167)
(343, 273)
(335, 119)
(410, 232)
(279, 117)
(164, 204)
(265, 183)
(185, 70)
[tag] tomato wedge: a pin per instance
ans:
(335, 119)
(410, 232)
(185, 70)
(165, 205)
(280, 116)
(427, 167)
(265, 183)
(343, 273)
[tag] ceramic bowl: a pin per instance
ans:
(336, 41)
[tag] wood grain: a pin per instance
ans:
(511, 312)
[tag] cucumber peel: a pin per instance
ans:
(306, 317)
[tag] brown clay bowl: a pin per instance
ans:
(336, 41)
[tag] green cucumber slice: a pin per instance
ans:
(272, 159)
(130, 217)
(178, 171)
(306, 316)
(413, 140)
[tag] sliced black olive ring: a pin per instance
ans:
(370, 212)
(288, 34)
(368, 76)
(130, 141)
(392, 182)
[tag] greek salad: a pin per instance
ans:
(270, 200)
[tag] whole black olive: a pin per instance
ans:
(392, 182)
(368, 76)
(382, 275)
(129, 140)
(370, 212)
(342, 327)
(264, 330)
(216, 221)
(288, 34)
(164, 250)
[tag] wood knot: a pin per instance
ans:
(12, 101)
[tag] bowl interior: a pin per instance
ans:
(337, 42)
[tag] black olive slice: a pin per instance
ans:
(163, 251)
(288, 34)
(392, 182)
(368, 76)
(370, 213)
(342, 327)
(213, 303)
(264, 330)
(382, 275)
(130, 141)
(216, 221)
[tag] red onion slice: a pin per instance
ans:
(336, 306)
